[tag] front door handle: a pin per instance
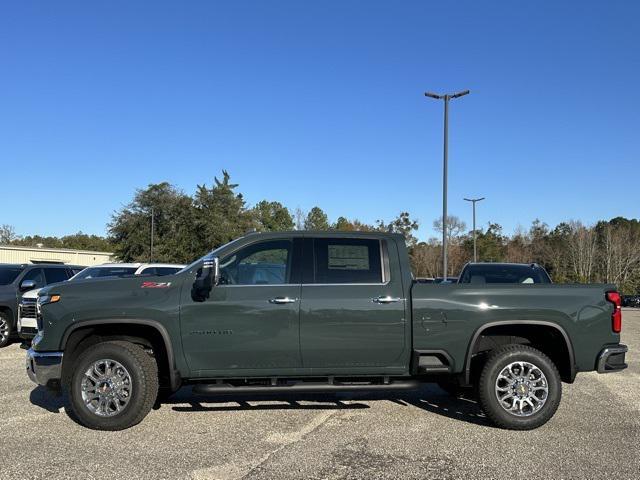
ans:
(281, 300)
(386, 299)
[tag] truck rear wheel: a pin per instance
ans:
(113, 386)
(519, 388)
(5, 329)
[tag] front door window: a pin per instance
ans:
(265, 263)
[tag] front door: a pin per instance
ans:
(352, 316)
(251, 319)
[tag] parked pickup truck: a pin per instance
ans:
(317, 312)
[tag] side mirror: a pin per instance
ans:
(207, 277)
(28, 285)
(216, 271)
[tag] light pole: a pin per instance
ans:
(446, 97)
(152, 231)
(474, 200)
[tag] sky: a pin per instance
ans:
(320, 103)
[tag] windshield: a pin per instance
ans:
(479, 274)
(9, 274)
(99, 272)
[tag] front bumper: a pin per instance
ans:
(611, 359)
(25, 322)
(44, 368)
(27, 328)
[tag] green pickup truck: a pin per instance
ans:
(303, 312)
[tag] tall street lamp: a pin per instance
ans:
(474, 200)
(446, 97)
(152, 232)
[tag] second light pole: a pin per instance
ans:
(475, 251)
(446, 97)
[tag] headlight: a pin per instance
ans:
(44, 299)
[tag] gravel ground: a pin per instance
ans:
(595, 434)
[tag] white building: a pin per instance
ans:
(15, 254)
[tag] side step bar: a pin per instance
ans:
(303, 387)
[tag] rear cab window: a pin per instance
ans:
(524, 274)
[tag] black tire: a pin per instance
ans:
(498, 360)
(143, 373)
(6, 329)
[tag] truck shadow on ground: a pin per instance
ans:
(49, 401)
(429, 398)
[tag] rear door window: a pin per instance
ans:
(343, 260)
(9, 274)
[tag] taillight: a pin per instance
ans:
(616, 316)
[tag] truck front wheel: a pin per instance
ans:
(519, 388)
(113, 386)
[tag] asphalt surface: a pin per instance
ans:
(594, 434)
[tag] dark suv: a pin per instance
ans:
(15, 279)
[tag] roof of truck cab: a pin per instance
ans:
(325, 233)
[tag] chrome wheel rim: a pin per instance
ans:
(522, 389)
(106, 388)
(4, 329)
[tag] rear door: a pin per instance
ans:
(352, 315)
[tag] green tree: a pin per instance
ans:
(346, 225)
(221, 214)
(38, 240)
(491, 244)
(272, 216)
(175, 238)
(316, 220)
(82, 241)
(402, 224)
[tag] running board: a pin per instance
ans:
(303, 387)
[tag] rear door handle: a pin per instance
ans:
(386, 299)
(281, 300)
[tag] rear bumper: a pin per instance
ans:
(44, 368)
(611, 359)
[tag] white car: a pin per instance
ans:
(27, 315)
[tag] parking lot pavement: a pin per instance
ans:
(595, 434)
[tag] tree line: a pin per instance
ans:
(187, 226)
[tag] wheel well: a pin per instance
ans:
(546, 338)
(145, 336)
